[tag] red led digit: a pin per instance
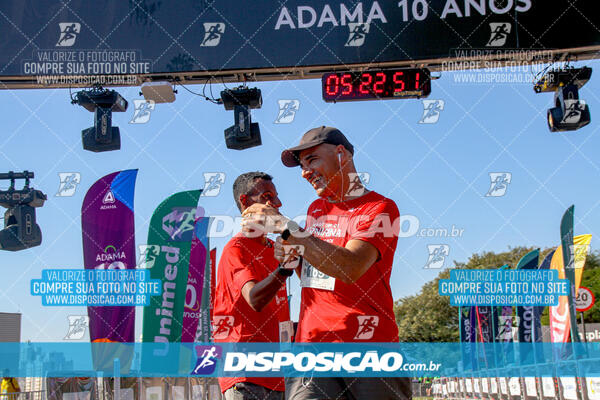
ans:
(379, 81)
(398, 81)
(332, 85)
(347, 83)
(417, 77)
(364, 86)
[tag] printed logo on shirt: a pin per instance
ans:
(366, 326)
(221, 326)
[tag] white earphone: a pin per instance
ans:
(340, 158)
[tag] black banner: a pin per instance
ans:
(81, 37)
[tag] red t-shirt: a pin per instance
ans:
(243, 260)
(333, 311)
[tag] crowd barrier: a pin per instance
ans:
(516, 388)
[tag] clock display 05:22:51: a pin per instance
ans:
(373, 85)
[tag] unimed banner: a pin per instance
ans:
(107, 224)
(171, 231)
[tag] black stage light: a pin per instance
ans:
(244, 133)
(102, 102)
(20, 228)
(570, 112)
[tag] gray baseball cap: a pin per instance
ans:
(312, 138)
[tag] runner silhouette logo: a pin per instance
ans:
(366, 326)
(499, 34)
(212, 34)
(207, 359)
(68, 33)
(358, 33)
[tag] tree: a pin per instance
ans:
(428, 317)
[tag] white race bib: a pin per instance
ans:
(315, 279)
(286, 331)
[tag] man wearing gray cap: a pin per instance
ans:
(349, 243)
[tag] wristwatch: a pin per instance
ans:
(284, 271)
(291, 227)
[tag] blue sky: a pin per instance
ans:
(438, 173)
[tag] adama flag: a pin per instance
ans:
(107, 225)
(559, 315)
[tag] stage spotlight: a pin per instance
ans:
(244, 133)
(102, 102)
(570, 112)
(20, 228)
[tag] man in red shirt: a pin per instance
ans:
(349, 243)
(250, 297)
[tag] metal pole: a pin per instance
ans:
(117, 386)
(583, 325)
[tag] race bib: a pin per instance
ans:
(286, 331)
(315, 279)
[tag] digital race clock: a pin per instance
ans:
(370, 85)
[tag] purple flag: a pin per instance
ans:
(107, 226)
(196, 276)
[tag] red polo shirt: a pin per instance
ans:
(243, 260)
(333, 311)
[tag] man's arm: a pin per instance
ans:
(347, 263)
(258, 295)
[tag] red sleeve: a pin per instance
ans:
(377, 224)
(240, 268)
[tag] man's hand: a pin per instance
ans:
(263, 217)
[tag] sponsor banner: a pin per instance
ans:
(199, 258)
(107, 225)
(214, 36)
(559, 315)
(468, 334)
(537, 311)
(171, 229)
(525, 314)
(289, 359)
(203, 333)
